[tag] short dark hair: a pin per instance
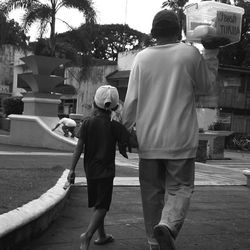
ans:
(165, 29)
(98, 109)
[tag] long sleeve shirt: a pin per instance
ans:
(160, 99)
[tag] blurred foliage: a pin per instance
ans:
(104, 41)
(12, 33)
(13, 105)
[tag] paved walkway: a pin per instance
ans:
(218, 219)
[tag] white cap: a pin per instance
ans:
(106, 97)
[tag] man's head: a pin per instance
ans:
(165, 25)
(106, 97)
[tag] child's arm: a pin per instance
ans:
(76, 155)
(57, 125)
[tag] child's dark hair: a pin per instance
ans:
(165, 29)
(98, 110)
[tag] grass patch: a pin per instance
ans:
(20, 187)
(24, 178)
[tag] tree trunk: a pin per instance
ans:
(52, 31)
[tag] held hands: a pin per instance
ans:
(210, 42)
(126, 145)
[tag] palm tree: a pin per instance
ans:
(12, 33)
(45, 13)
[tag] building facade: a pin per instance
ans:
(6, 72)
(81, 102)
(230, 106)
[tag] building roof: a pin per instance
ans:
(235, 69)
(124, 74)
(118, 75)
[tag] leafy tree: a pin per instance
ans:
(45, 13)
(11, 33)
(109, 40)
(105, 41)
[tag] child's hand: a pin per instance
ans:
(71, 177)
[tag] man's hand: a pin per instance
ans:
(210, 42)
(133, 139)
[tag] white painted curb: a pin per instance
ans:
(21, 216)
(246, 172)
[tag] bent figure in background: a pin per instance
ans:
(68, 125)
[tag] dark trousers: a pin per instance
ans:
(67, 129)
(166, 189)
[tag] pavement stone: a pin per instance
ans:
(218, 219)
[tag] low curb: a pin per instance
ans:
(246, 172)
(23, 223)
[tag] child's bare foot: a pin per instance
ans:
(104, 240)
(84, 242)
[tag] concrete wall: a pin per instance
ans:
(6, 68)
(19, 68)
(206, 117)
(125, 59)
(10, 66)
(35, 131)
(86, 87)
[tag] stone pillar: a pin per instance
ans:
(40, 105)
(41, 101)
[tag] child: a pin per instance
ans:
(98, 137)
(68, 125)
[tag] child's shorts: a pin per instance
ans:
(100, 192)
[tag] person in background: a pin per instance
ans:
(160, 102)
(68, 125)
(98, 137)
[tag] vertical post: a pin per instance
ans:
(246, 172)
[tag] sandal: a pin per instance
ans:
(106, 240)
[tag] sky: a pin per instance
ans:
(138, 14)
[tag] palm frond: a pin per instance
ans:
(9, 5)
(174, 4)
(37, 12)
(84, 6)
